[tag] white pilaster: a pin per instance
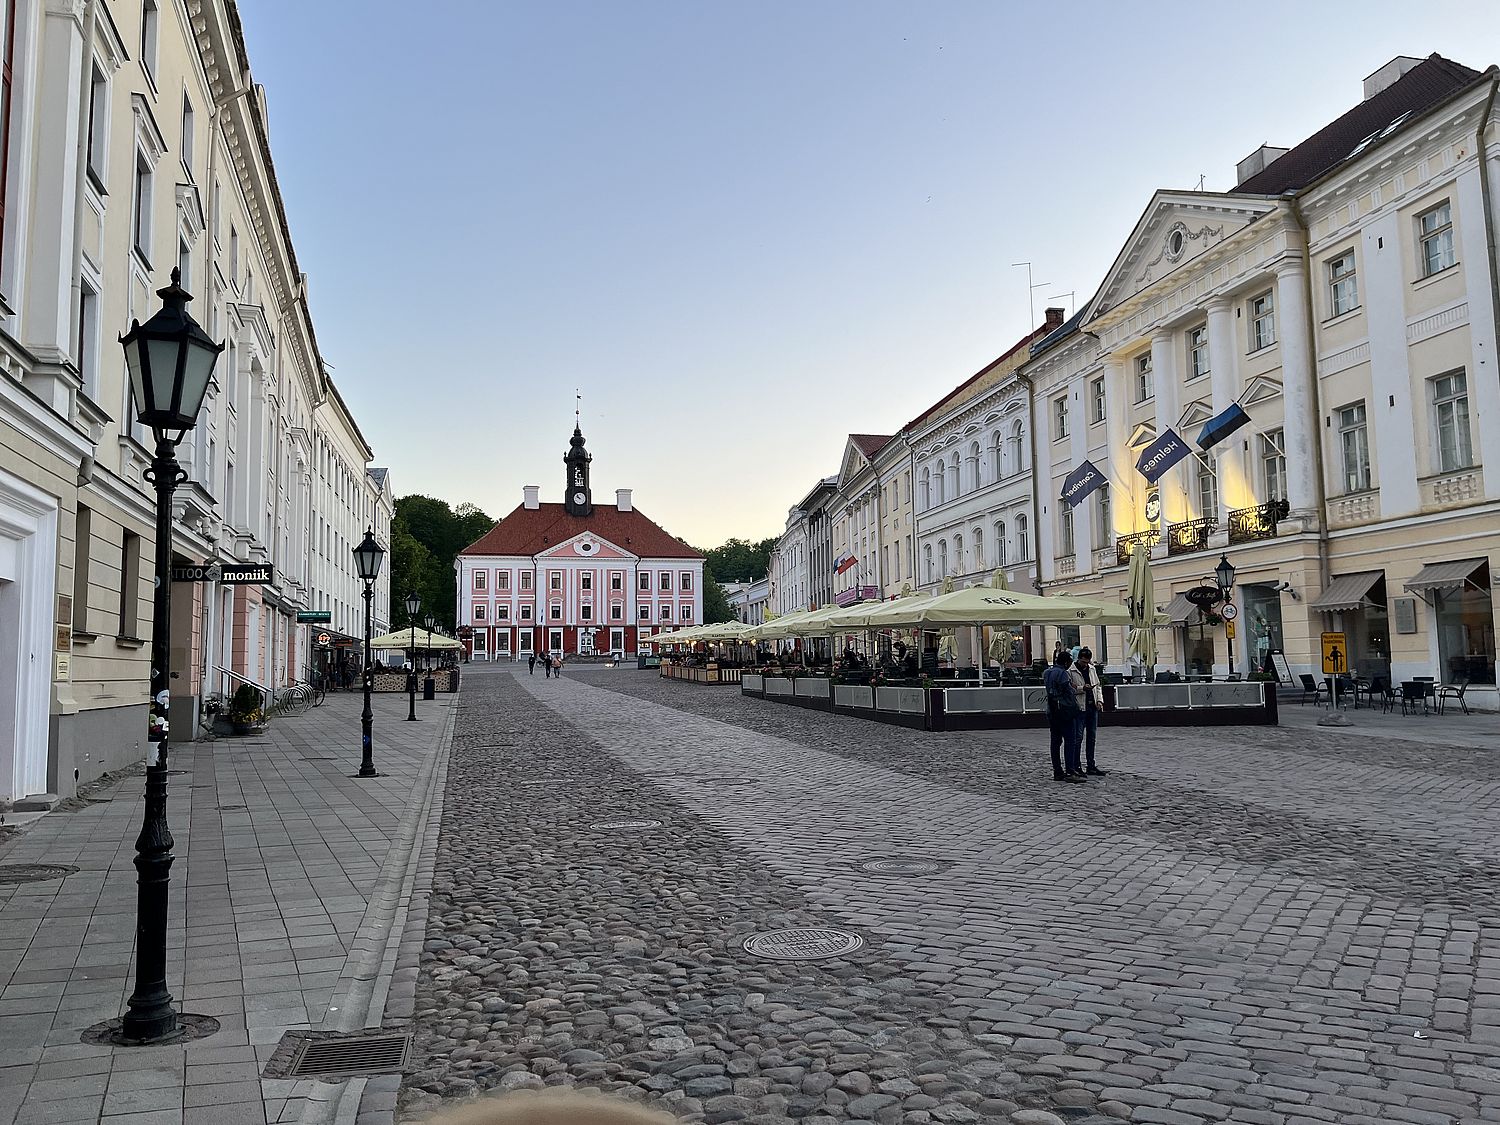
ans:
(1298, 393)
(1127, 487)
(1391, 413)
(1170, 487)
(1223, 376)
(1475, 230)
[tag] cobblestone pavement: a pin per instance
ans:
(1274, 927)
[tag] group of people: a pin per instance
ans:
(552, 662)
(1075, 696)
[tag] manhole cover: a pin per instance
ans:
(306, 1055)
(33, 872)
(231, 808)
(899, 865)
(618, 825)
(810, 944)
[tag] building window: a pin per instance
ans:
(1023, 539)
(82, 552)
(6, 99)
(999, 542)
(502, 612)
(1435, 230)
(588, 581)
(687, 581)
(617, 612)
(616, 581)
(997, 448)
(1262, 322)
(148, 37)
(926, 490)
(479, 613)
(88, 338)
(1354, 442)
(974, 465)
(666, 580)
(586, 612)
(687, 613)
(1059, 418)
(979, 548)
(938, 483)
(1198, 352)
(98, 135)
(942, 558)
(1103, 519)
(927, 563)
(666, 613)
(234, 256)
(555, 612)
(185, 264)
(1096, 395)
(502, 579)
(958, 554)
(1207, 483)
(1343, 284)
(617, 640)
(479, 580)
(525, 613)
(1065, 521)
(140, 218)
(1273, 465)
(187, 136)
(644, 580)
(525, 579)
(555, 577)
(1144, 389)
(644, 612)
(1018, 447)
(480, 641)
(130, 583)
(554, 639)
(1450, 400)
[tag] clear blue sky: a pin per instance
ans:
(755, 226)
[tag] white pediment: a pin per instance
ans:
(1144, 434)
(586, 545)
(1195, 414)
(1175, 228)
(1261, 389)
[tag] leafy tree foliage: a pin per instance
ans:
(426, 536)
(739, 560)
(716, 607)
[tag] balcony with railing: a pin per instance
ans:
(1190, 536)
(1248, 525)
(1126, 543)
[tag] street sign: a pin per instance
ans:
(1230, 611)
(230, 574)
(314, 616)
(1335, 654)
(1229, 629)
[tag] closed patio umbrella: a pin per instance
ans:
(1141, 641)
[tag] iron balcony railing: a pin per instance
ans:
(1246, 525)
(1125, 543)
(1185, 538)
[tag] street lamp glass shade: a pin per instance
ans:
(413, 605)
(430, 622)
(1224, 574)
(170, 360)
(368, 557)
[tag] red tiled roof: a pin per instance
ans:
(530, 531)
(870, 444)
(1432, 81)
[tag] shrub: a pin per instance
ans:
(246, 705)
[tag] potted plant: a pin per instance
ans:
(245, 708)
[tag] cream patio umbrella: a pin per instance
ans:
(1141, 641)
(415, 638)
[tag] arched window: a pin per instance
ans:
(941, 491)
(958, 489)
(927, 561)
(926, 490)
(1018, 447)
(979, 548)
(996, 449)
(958, 555)
(942, 558)
(974, 465)
(999, 542)
(1023, 539)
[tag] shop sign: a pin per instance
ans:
(1335, 654)
(323, 639)
(314, 616)
(1204, 597)
(1404, 610)
(230, 574)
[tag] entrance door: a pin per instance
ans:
(28, 598)
(554, 640)
(586, 642)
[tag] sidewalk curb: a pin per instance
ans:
(378, 985)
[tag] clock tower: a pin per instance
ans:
(578, 500)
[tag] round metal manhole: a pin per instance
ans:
(623, 825)
(904, 865)
(809, 944)
(33, 872)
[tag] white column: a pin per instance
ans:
(1171, 487)
(1127, 487)
(1484, 368)
(1299, 392)
(1392, 414)
(1223, 376)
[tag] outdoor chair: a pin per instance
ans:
(1413, 694)
(1347, 690)
(1456, 691)
(1311, 689)
(1380, 687)
(1232, 678)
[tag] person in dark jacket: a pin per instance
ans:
(1088, 719)
(1062, 716)
(531, 665)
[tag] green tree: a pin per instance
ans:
(739, 560)
(426, 536)
(716, 607)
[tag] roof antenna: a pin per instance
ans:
(1030, 292)
(1202, 180)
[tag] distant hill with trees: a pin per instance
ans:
(426, 536)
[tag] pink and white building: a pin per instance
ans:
(573, 578)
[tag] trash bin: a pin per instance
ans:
(429, 688)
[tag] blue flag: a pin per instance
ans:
(1161, 455)
(1221, 425)
(1081, 481)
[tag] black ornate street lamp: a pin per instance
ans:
(413, 607)
(367, 558)
(429, 688)
(170, 360)
(1224, 576)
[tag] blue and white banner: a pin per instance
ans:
(1161, 455)
(1081, 481)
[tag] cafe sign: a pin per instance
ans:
(228, 574)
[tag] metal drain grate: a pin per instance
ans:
(621, 825)
(803, 944)
(33, 872)
(904, 865)
(351, 1054)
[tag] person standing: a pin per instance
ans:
(1062, 716)
(1093, 704)
(531, 665)
(547, 664)
(557, 666)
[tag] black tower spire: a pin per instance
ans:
(578, 498)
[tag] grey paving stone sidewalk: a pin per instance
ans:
(278, 889)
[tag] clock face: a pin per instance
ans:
(578, 498)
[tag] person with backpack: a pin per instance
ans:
(1062, 715)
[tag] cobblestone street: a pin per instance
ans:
(1278, 927)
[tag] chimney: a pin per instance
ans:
(1257, 161)
(1388, 75)
(1054, 319)
(530, 491)
(622, 500)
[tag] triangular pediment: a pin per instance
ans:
(586, 545)
(855, 462)
(1144, 434)
(1176, 227)
(1195, 414)
(1260, 389)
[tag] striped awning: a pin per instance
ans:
(1445, 576)
(1180, 611)
(1347, 591)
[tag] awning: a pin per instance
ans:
(1445, 576)
(1180, 611)
(1221, 425)
(1347, 591)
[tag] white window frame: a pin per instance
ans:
(1206, 471)
(90, 301)
(150, 37)
(97, 151)
(1059, 418)
(502, 612)
(1023, 539)
(617, 640)
(1067, 542)
(1343, 283)
(1435, 239)
(1199, 363)
(554, 640)
(142, 205)
(1102, 515)
(480, 580)
(1272, 448)
(1262, 315)
(1354, 429)
(502, 642)
(1096, 396)
(1145, 383)
(480, 642)
(479, 612)
(554, 611)
(1450, 407)
(526, 612)
(187, 142)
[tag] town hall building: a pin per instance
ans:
(575, 578)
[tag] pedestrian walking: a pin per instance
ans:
(547, 664)
(531, 665)
(557, 665)
(1062, 716)
(1093, 705)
